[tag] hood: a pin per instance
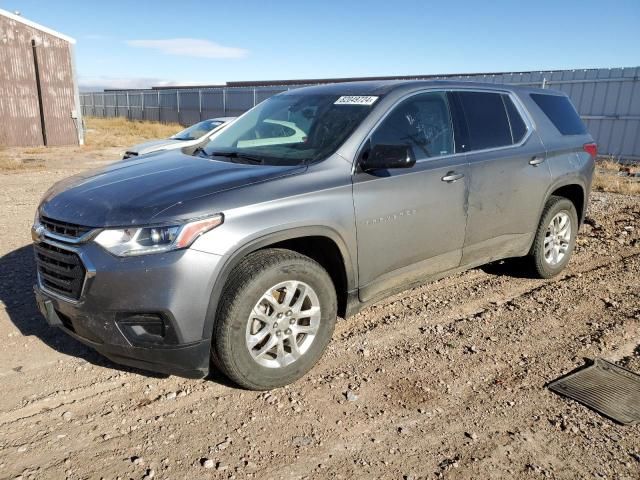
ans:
(153, 145)
(137, 192)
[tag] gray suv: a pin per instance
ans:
(314, 204)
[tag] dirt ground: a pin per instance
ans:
(446, 380)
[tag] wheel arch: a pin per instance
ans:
(572, 189)
(305, 240)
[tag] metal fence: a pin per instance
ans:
(608, 100)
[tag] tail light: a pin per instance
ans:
(591, 149)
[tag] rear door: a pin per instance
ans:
(508, 175)
(411, 221)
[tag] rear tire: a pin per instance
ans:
(555, 238)
(276, 316)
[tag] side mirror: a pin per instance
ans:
(382, 157)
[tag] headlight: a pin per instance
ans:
(125, 242)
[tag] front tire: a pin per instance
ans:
(555, 238)
(276, 317)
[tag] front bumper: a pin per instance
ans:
(173, 289)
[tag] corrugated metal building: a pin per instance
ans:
(39, 101)
(608, 100)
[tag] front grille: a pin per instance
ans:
(60, 270)
(65, 229)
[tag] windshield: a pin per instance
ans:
(196, 131)
(291, 129)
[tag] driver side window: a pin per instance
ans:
(422, 122)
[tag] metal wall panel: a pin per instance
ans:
(58, 91)
(19, 110)
(168, 106)
(213, 103)
(264, 93)
(122, 104)
(135, 106)
(608, 100)
(189, 102)
(151, 106)
(238, 100)
(20, 113)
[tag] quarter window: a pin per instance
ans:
(487, 121)
(561, 113)
(422, 122)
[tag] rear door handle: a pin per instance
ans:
(451, 177)
(535, 161)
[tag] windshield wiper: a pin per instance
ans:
(238, 155)
(200, 152)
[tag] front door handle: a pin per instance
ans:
(535, 161)
(451, 177)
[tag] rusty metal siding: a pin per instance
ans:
(19, 111)
(20, 122)
(58, 93)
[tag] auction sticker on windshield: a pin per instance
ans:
(356, 100)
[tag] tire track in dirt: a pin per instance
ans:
(420, 386)
(450, 403)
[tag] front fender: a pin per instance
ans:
(263, 240)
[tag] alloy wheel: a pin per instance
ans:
(283, 324)
(557, 238)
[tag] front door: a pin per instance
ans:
(411, 221)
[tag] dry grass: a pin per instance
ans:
(8, 164)
(120, 132)
(34, 150)
(606, 179)
(106, 139)
(606, 182)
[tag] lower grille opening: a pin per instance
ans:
(66, 321)
(146, 329)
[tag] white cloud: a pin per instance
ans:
(95, 84)
(98, 83)
(190, 47)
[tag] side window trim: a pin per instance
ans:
(510, 113)
(461, 140)
(506, 111)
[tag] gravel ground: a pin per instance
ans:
(446, 380)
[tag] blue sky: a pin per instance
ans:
(143, 43)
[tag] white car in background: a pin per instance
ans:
(189, 137)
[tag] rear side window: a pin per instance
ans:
(561, 113)
(486, 118)
(518, 127)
